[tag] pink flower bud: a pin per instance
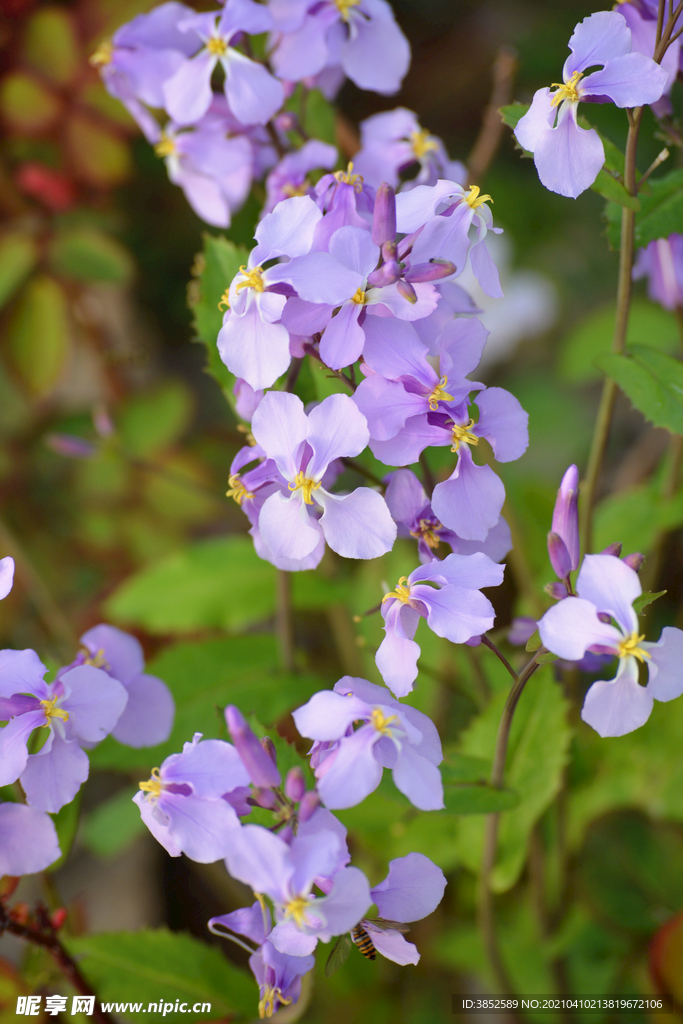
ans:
(384, 215)
(635, 560)
(566, 516)
(309, 803)
(295, 784)
(559, 556)
(258, 762)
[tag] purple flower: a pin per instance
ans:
(286, 873)
(252, 343)
(411, 510)
(183, 803)
(607, 587)
(28, 840)
(6, 576)
(563, 539)
(82, 706)
(288, 177)
(643, 26)
(392, 735)
(567, 157)
(392, 142)
(253, 94)
(413, 889)
(447, 594)
(147, 718)
(258, 763)
(359, 35)
(442, 215)
(356, 525)
(661, 262)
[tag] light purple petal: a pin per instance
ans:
(629, 81)
(319, 278)
(429, 745)
(387, 405)
(95, 703)
(122, 652)
(52, 777)
(347, 902)
(612, 586)
(314, 856)
(504, 423)
(620, 706)
(392, 945)
(413, 889)
(598, 38)
(211, 767)
(289, 229)
(397, 655)
(288, 939)
(496, 545)
(354, 249)
(469, 502)
(247, 921)
(256, 351)
(302, 52)
(485, 270)
(405, 447)
(461, 344)
(666, 665)
(188, 93)
(287, 529)
(147, 718)
(416, 207)
(356, 525)
(377, 55)
(336, 428)
(327, 715)
(538, 119)
(280, 426)
(158, 824)
(469, 571)
(570, 627)
(260, 859)
(246, 16)
(419, 780)
(205, 196)
(203, 829)
(456, 613)
(353, 771)
(6, 576)
(343, 340)
(28, 840)
(252, 92)
(13, 740)
(405, 496)
(568, 158)
(393, 349)
(22, 672)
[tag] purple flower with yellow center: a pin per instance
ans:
(567, 157)
(393, 141)
(390, 735)
(442, 215)
(356, 525)
(252, 92)
(602, 620)
(360, 35)
(448, 595)
(252, 343)
(287, 873)
(184, 803)
(289, 177)
(82, 706)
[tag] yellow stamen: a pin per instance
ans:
(305, 484)
(463, 435)
(402, 591)
(248, 436)
(381, 723)
(266, 1006)
(217, 47)
(344, 6)
(566, 90)
(252, 279)
(237, 489)
(422, 143)
(439, 394)
(427, 532)
(102, 55)
(96, 660)
(153, 785)
(53, 712)
(165, 146)
(296, 908)
(473, 198)
(629, 647)
(347, 177)
(225, 299)
(296, 190)
(359, 297)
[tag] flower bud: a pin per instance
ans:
(566, 516)
(559, 556)
(635, 560)
(432, 271)
(70, 446)
(295, 784)
(407, 291)
(309, 803)
(58, 917)
(264, 798)
(260, 765)
(557, 591)
(522, 628)
(612, 549)
(388, 273)
(384, 215)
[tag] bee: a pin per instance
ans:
(364, 942)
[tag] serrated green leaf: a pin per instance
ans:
(661, 211)
(112, 826)
(18, 256)
(155, 964)
(611, 189)
(646, 598)
(460, 768)
(534, 642)
(652, 381)
(512, 113)
(478, 799)
(339, 955)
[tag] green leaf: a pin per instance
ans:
(646, 598)
(534, 642)
(213, 270)
(40, 336)
(339, 955)
(661, 211)
(112, 826)
(153, 421)
(537, 754)
(87, 254)
(636, 516)
(154, 964)
(478, 799)
(546, 659)
(592, 337)
(18, 256)
(512, 113)
(654, 383)
(51, 44)
(319, 121)
(204, 678)
(609, 188)
(459, 768)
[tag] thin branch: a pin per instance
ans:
(499, 654)
(490, 133)
(358, 467)
(293, 373)
(284, 626)
(428, 481)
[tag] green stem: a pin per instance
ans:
(609, 392)
(284, 626)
